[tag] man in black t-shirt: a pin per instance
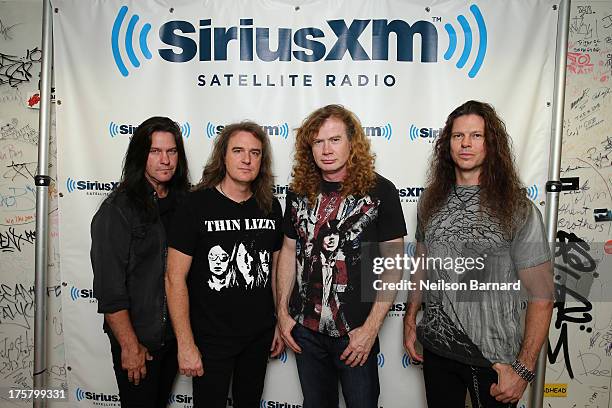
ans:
(336, 205)
(223, 248)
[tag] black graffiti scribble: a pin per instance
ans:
(572, 259)
(16, 305)
(11, 241)
(16, 70)
(5, 30)
(16, 170)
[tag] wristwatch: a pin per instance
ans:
(523, 372)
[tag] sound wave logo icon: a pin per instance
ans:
(384, 131)
(171, 398)
(129, 40)
(113, 129)
(532, 192)
(380, 360)
(414, 132)
(210, 130)
(387, 131)
(74, 293)
(263, 404)
(410, 248)
(283, 356)
(468, 41)
(70, 185)
(186, 129)
(80, 394)
(407, 361)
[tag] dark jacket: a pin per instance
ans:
(128, 257)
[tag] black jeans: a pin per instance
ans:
(244, 358)
(319, 368)
(154, 390)
(447, 382)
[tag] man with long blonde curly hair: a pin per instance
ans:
(336, 205)
(475, 209)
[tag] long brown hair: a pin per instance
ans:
(360, 165)
(502, 192)
(215, 170)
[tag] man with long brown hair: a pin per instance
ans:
(220, 279)
(336, 205)
(474, 207)
(128, 254)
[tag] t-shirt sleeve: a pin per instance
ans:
(530, 246)
(183, 231)
(391, 223)
(278, 222)
(288, 223)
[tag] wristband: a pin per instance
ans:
(523, 372)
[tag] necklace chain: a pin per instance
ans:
(225, 195)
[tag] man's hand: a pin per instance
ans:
(410, 340)
(361, 341)
(133, 359)
(510, 386)
(285, 325)
(190, 361)
(277, 343)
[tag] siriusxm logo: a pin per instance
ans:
(277, 404)
(184, 41)
(380, 360)
(397, 310)
(115, 129)
(76, 293)
(281, 130)
(407, 361)
(384, 131)
(410, 194)
(280, 190)
(180, 399)
(95, 396)
(90, 186)
(283, 357)
(430, 134)
(532, 192)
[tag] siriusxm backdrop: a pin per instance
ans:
(402, 66)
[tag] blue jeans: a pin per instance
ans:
(319, 367)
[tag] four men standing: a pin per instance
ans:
(225, 242)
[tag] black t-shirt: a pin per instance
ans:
(329, 238)
(230, 290)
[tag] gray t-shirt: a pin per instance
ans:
(477, 327)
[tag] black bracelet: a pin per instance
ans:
(523, 372)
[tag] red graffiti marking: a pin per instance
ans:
(579, 63)
(33, 100)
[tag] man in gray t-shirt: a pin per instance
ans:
(483, 246)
